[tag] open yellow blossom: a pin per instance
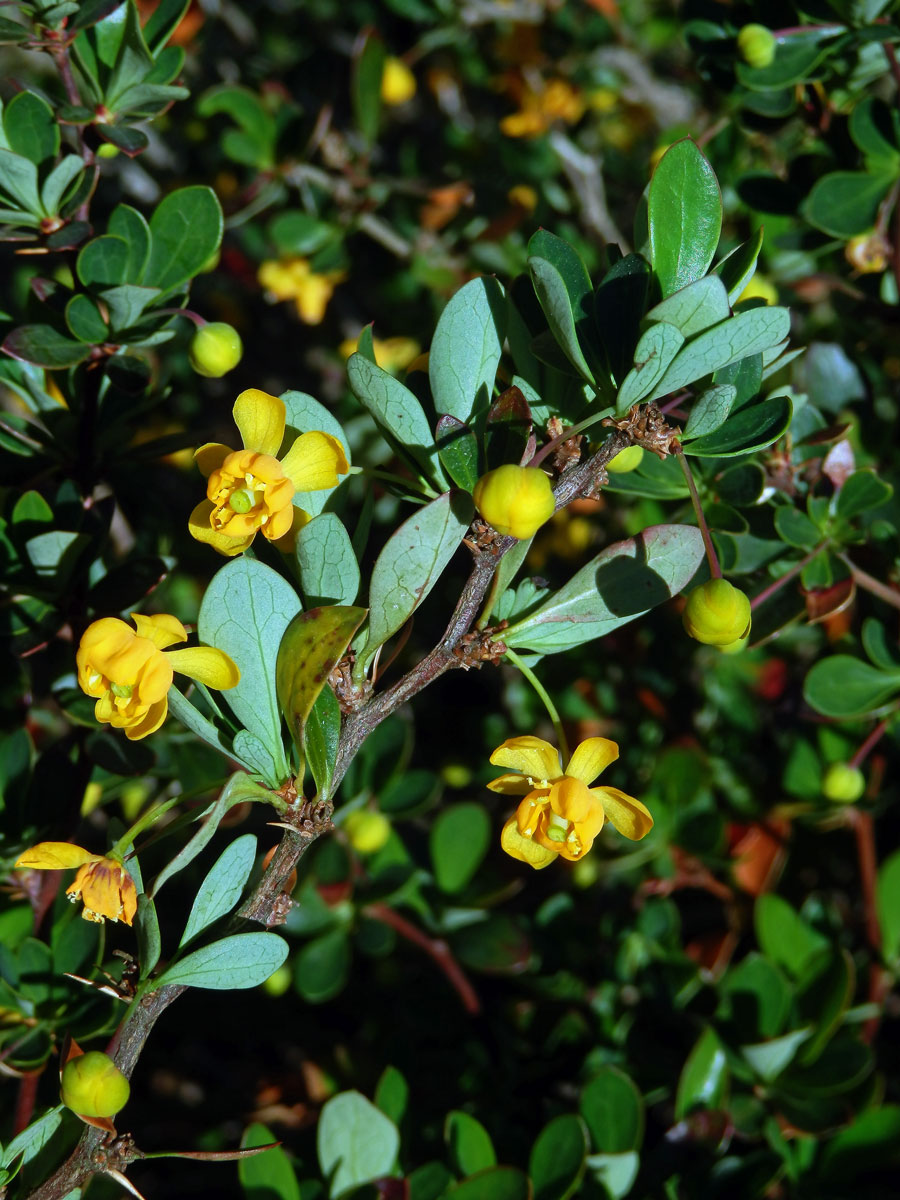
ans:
(129, 673)
(561, 814)
(392, 354)
(103, 884)
(557, 101)
(294, 279)
(250, 491)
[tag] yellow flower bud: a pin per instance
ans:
(843, 784)
(868, 252)
(93, 1086)
(717, 613)
(368, 831)
(756, 44)
(760, 288)
(398, 84)
(280, 982)
(626, 460)
(215, 350)
(515, 500)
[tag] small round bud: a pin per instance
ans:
(93, 1086)
(398, 84)
(107, 150)
(278, 983)
(756, 44)
(717, 613)
(843, 784)
(368, 831)
(515, 500)
(626, 460)
(215, 350)
(868, 252)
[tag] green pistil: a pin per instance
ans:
(557, 828)
(241, 501)
(122, 690)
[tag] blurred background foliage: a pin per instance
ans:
(707, 1012)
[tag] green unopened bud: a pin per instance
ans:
(756, 45)
(93, 1086)
(107, 150)
(215, 350)
(368, 831)
(843, 784)
(717, 613)
(515, 500)
(279, 982)
(626, 460)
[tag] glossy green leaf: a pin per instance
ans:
(497, 945)
(19, 179)
(756, 997)
(869, 1143)
(126, 304)
(615, 1173)
(104, 261)
(356, 1143)
(321, 737)
(59, 181)
(322, 966)
(705, 1077)
(710, 411)
(468, 1144)
(565, 293)
(888, 899)
(784, 936)
(656, 478)
(368, 69)
(12, 32)
(31, 127)
(795, 527)
(253, 143)
(824, 992)
(329, 572)
(619, 303)
(613, 1110)
(557, 1159)
(695, 307)
(128, 224)
(392, 1094)
(653, 356)
(738, 268)
(496, 1183)
(266, 1176)
(770, 1058)
(465, 350)
(32, 1140)
(245, 612)
(861, 491)
(149, 937)
(622, 582)
(797, 55)
(84, 320)
(243, 960)
(458, 842)
(45, 347)
(684, 213)
(752, 428)
(412, 561)
(458, 451)
(845, 203)
(842, 686)
(185, 230)
(220, 891)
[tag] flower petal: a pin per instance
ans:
(200, 528)
(591, 757)
(260, 418)
(149, 723)
(207, 664)
(287, 542)
(572, 800)
(315, 461)
(161, 629)
(55, 856)
(210, 457)
(523, 848)
(629, 816)
(511, 785)
(530, 755)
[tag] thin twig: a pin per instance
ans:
(790, 574)
(888, 594)
(436, 949)
(712, 558)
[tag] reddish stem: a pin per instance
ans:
(871, 741)
(864, 830)
(436, 949)
(25, 1101)
(790, 574)
(714, 569)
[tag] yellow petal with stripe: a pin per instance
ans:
(512, 785)
(315, 461)
(56, 856)
(592, 756)
(530, 755)
(260, 418)
(207, 665)
(525, 849)
(200, 528)
(631, 818)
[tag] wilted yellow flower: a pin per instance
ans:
(293, 279)
(557, 101)
(398, 84)
(561, 815)
(250, 490)
(129, 675)
(391, 354)
(103, 884)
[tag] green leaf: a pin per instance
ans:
(255, 755)
(458, 451)
(873, 126)
(684, 213)
(870, 1143)
(322, 734)
(496, 1183)
(392, 1094)
(311, 647)
(619, 304)
(877, 645)
(796, 57)
(128, 224)
(267, 1176)
(186, 230)
(748, 333)
(397, 411)
(769, 1059)
(615, 1173)
(845, 203)
(795, 527)
(32, 1140)
(704, 1079)
(12, 32)
(368, 68)
(184, 711)
(860, 492)
(613, 1110)
(411, 563)
(245, 611)
(553, 294)
(653, 356)
(295, 232)
(784, 936)
(160, 26)
(694, 308)
(243, 960)
(84, 320)
(126, 304)
(465, 350)
(824, 992)
(31, 128)
(748, 429)
(557, 1159)
(624, 581)
(45, 347)
(756, 996)
(458, 842)
(132, 64)
(254, 144)
(149, 939)
(329, 572)
(841, 686)
(567, 263)
(356, 1143)
(19, 179)
(104, 261)
(738, 268)
(888, 901)
(59, 181)
(468, 1144)
(220, 891)
(656, 478)
(322, 966)
(710, 411)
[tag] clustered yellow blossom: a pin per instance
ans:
(294, 279)
(251, 490)
(129, 673)
(557, 100)
(392, 354)
(561, 814)
(103, 884)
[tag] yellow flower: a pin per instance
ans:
(523, 196)
(293, 279)
(557, 101)
(398, 84)
(561, 814)
(760, 288)
(129, 675)
(251, 490)
(102, 883)
(392, 354)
